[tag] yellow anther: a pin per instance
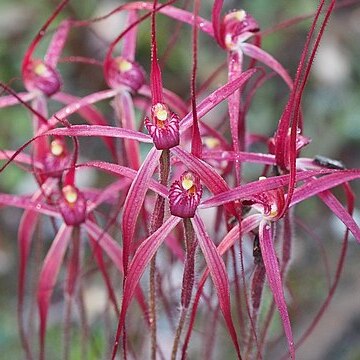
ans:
(187, 183)
(70, 194)
(160, 112)
(40, 69)
(124, 65)
(212, 142)
(273, 210)
(56, 148)
(240, 15)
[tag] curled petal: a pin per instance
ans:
(42, 77)
(185, 195)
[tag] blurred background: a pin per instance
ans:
(331, 108)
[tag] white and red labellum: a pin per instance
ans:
(237, 27)
(40, 76)
(164, 127)
(72, 205)
(269, 203)
(185, 195)
(125, 73)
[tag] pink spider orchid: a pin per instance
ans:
(231, 33)
(41, 77)
(184, 197)
(125, 78)
(146, 221)
(141, 182)
(75, 208)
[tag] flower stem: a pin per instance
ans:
(178, 332)
(152, 307)
(188, 281)
(156, 221)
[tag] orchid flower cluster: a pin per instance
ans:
(177, 196)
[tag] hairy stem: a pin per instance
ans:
(178, 332)
(152, 307)
(73, 272)
(188, 281)
(156, 221)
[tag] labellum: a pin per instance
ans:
(269, 203)
(72, 205)
(237, 27)
(165, 127)
(185, 195)
(41, 77)
(126, 73)
(56, 159)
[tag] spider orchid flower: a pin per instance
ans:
(237, 27)
(164, 124)
(269, 203)
(41, 76)
(231, 33)
(123, 72)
